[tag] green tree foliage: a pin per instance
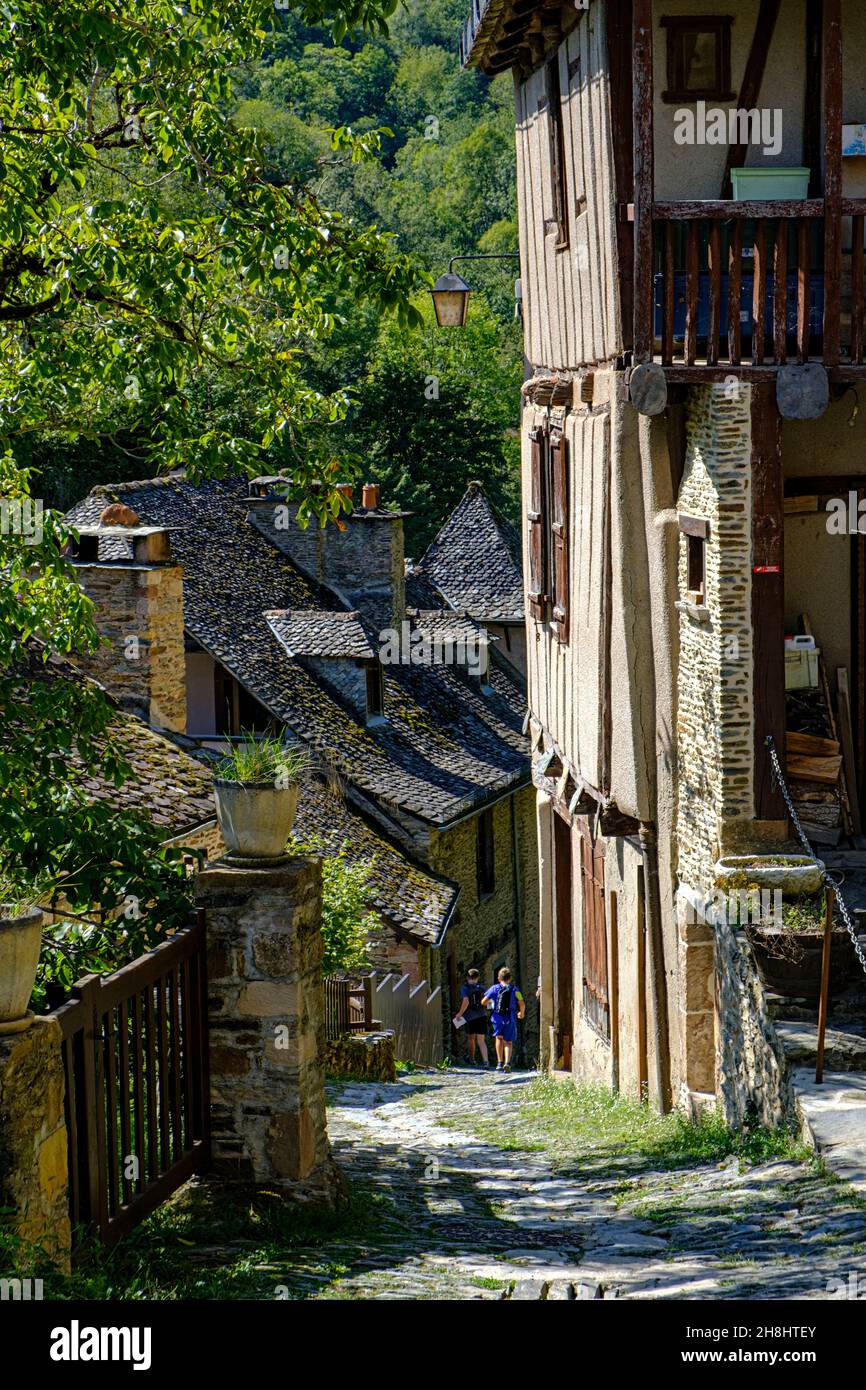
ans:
(55, 840)
(347, 922)
(437, 408)
(146, 237)
(144, 245)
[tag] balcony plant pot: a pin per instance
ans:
(789, 962)
(255, 819)
(795, 874)
(20, 943)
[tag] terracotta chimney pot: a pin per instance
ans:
(370, 496)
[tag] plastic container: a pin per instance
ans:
(769, 182)
(801, 669)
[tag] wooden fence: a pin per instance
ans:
(739, 283)
(348, 1007)
(135, 1056)
(415, 1016)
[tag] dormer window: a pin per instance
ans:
(699, 58)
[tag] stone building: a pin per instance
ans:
(223, 615)
(690, 434)
(474, 566)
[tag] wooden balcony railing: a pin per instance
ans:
(743, 285)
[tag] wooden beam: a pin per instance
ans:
(768, 598)
(752, 79)
(644, 165)
(812, 103)
(833, 97)
(619, 30)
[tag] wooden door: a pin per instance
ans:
(563, 946)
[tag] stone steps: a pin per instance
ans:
(845, 1051)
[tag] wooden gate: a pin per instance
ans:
(596, 991)
(135, 1057)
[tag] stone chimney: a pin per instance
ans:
(360, 558)
(138, 594)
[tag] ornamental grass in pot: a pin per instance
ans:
(20, 944)
(788, 949)
(256, 787)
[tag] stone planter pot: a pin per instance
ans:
(255, 819)
(794, 874)
(789, 963)
(20, 944)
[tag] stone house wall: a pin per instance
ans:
(139, 610)
(484, 932)
(714, 715)
(33, 1163)
(266, 1024)
(752, 1082)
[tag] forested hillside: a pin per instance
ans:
(430, 408)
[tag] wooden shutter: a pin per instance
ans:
(559, 533)
(535, 517)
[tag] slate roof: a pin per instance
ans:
(175, 790)
(311, 632)
(414, 900)
(475, 562)
(438, 624)
(444, 749)
(172, 788)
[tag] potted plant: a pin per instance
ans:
(20, 944)
(256, 789)
(788, 949)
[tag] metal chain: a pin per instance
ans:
(829, 879)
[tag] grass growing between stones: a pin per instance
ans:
(579, 1126)
(206, 1245)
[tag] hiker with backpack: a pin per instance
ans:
(473, 1012)
(508, 1007)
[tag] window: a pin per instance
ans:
(696, 532)
(548, 516)
(485, 854)
(557, 154)
(699, 58)
(375, 691)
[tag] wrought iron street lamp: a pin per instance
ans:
(451, 292)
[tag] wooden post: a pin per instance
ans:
(832, 180)
(643, 178)
(812, 103)
(825, 985)
(768, 597)
(619, 31)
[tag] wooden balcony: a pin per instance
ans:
(742, 288)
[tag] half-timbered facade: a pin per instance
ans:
(691, 196)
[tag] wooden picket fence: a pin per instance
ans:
(414, 1014)
(135, 1056)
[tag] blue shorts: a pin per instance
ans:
(505, 1027)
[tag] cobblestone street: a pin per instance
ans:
(472, 1220)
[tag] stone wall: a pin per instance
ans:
(714, 714)
(139, 610)
(363, 562)
(33, 1165)
(752, 1082)
(266, 1024)
(367, 1056)
(484, 932)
